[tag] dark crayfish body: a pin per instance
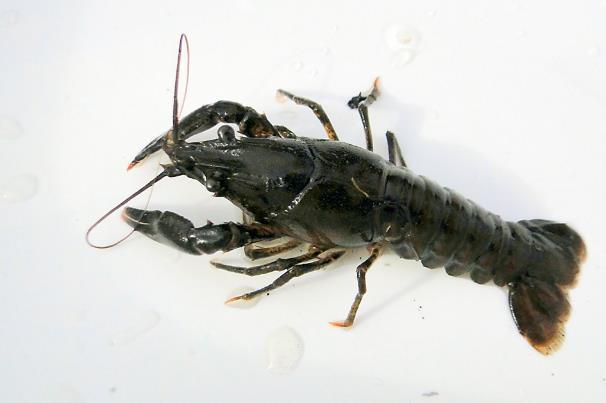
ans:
(333, 196)
(330, 193)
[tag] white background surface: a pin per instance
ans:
(503, 101)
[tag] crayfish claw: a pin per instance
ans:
(155, 145)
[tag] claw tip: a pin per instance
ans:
(123, 215)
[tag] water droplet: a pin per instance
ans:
(432, 13)
(18, 188)
(313, 72)
(10, 129)
(335, 28)
(284, 350)
(521, 33)
(143, 323)
(405, 37)
(402, 37)
(298, 65)
(8, 18)
(325, 51)
(242, 304)
(593, 51)
(402, 58)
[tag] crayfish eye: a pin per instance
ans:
(213, 185)
(226, 134)
(214, 181)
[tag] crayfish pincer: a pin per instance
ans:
(334, 196)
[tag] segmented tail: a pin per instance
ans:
(539, 300)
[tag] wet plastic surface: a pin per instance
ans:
(503, 102)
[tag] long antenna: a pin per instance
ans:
(170, 138)
(122, 203)
(173, 136)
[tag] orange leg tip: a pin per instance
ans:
(340, 323)
(280, 97)
(233, 299)
(131, 165)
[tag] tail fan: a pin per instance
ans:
(539, 300)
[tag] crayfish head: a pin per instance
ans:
(262, 176)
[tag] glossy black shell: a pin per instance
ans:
(353, 197)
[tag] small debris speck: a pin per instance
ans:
(552, 374)
(430, 394)
(112, 389)
(422, 317)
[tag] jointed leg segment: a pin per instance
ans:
(361, 103)
(276, 265)
(393, 148)
(294, 271)
(361, 273)
(317, 110)
(254, 252)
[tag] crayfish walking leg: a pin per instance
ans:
(292, 272)
(254, 252)
(361, 103)
(317, 110)
(361, 273)
(394, 151)
(276, 265)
